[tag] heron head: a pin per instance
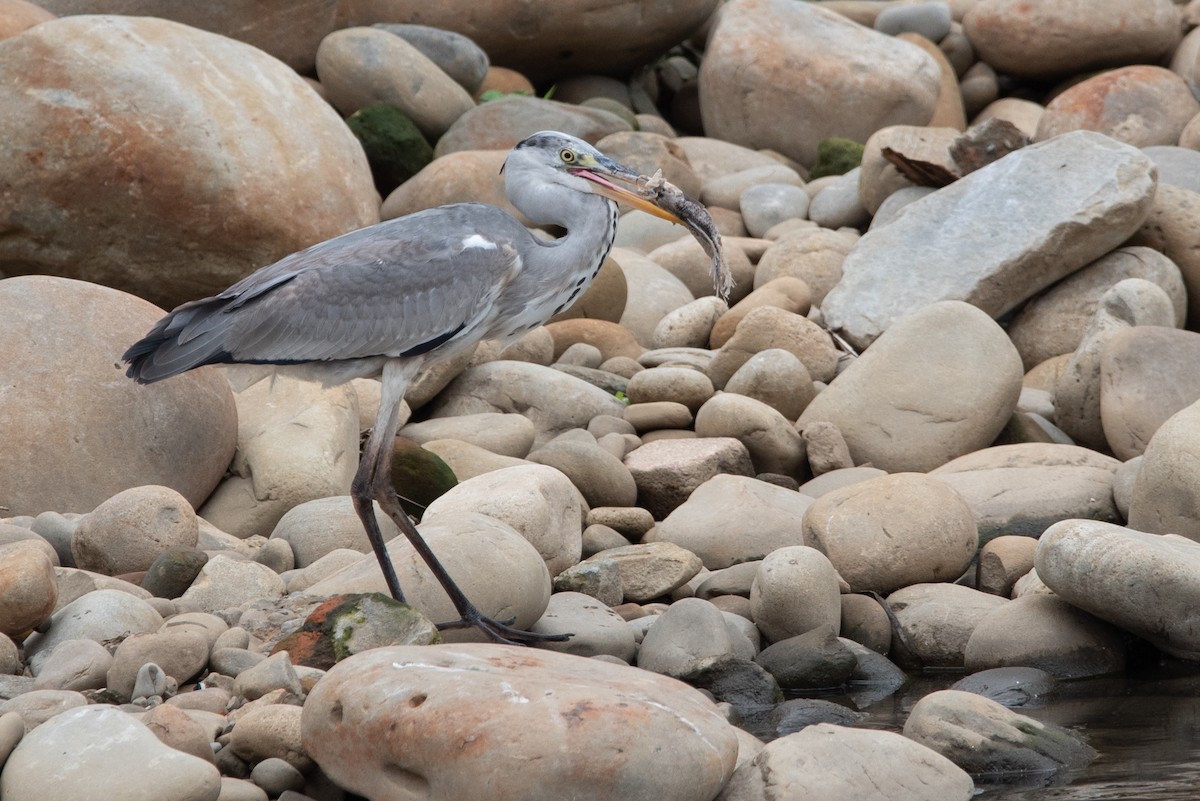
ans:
(572, 162)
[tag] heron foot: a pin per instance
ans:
(499, 631)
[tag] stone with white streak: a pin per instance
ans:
(512, 724)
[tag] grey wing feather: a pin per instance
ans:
(402, 286)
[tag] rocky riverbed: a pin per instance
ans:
(946, 422)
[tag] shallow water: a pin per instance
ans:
(1146, 727)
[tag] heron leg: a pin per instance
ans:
(377, 459)
(374, 481)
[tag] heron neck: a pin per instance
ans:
(591, 225)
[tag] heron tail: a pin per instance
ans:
(189, 337)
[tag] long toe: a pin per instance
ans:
(500, 631)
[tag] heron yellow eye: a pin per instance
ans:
(568, 156)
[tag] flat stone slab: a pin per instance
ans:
(998, 236)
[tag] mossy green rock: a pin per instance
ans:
(835, 157)
(419, 476)
(395, 148)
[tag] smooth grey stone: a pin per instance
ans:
(1010, 686)
(276, 775)
(455, 54)
(1068, 217)
(150, 681)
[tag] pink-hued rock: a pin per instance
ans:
(455, 722)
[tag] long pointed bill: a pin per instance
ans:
(662, 199)
(621, 194)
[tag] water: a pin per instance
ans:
(1145, 725)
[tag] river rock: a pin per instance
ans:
(786, 292)
(500, 124)
(228, 111)
(816, 659)
(1145, 378)
(1179, 166)
(795, 591)
(814, 256)
(360, 67)
(1143, 583)
(113, 756)
(917, 398)
(1002, 561)
(772, 441)
(537, 501)
(1024, 488)
(1051, 40)
(553, 400)
(712, 522)
(600, 476)
(288, 31)
(983, 737)
(1053, 323)
(181, 652)
(892, 531)
(937, 620)
(226, 582)
(505, 434)
(1140, 105)
(272, 730)
(293, 440)
(688, 634)
(594, 628)
(99, 615)
(28, 590)
(827, 762)
(667, 471)
(769, 327)
(777, 378)
(494, 565)
(650, 570)
(1080, 215)
(1044, 631)
(690, 325)
(744, 97)
(20, 15)
(1077, 408)
(316, 528)
(1169, 230)
(465, 176)
(53, 328)
(1016, 686)
(1166, 490)
(413, 709)
(78, 665)
(129, 530)
(547, 39)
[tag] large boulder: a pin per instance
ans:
(290, 30)
(1048, 40)
(855, 80)
(549, 38)
(164, 160)
(505, 723)
(76, 430)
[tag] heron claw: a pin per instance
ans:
(500, 631)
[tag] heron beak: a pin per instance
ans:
(599, 172)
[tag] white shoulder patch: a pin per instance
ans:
(478, 241)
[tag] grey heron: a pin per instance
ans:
(392, 298)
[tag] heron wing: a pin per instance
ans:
(401, 287)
